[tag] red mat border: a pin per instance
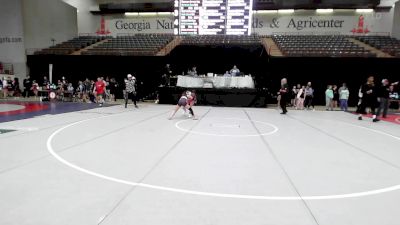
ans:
(29, 107)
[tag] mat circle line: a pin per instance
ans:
(275, 129)
(213, 194)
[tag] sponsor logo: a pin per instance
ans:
(361, 29)
(102, 30)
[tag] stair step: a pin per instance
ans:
(271, 47)
(89, 47)
(379, 53)
(169, 47)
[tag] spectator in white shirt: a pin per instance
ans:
(70, 88)
(344, 94)
(5, 87)
(300, 98)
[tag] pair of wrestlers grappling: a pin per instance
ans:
(186, 102)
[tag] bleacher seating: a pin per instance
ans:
(319, 46)
(289, 45)
(140, 45)
(221, 40)
(70, 46)
(384, 43)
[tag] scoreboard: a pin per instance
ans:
(187, 16)
(212, 17)
(238, 17)
(193, 17)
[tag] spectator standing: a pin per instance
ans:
(5, 87)
(45, 84)
(344, 94)
(80, 90)
(27, 86)
(100, 89)
(16, 89)
(368, 98)
(167, 74)
(107, 82)
(335, 99)
(283, 92)
(293, 96)
(10, 86)
(300, 98)
(105, 95)
(35, 88)
(329, 98)
(298, 87)
(383, 99)
(86, 90)
(64, 84)
(113, 85)
(70, 88)
(309, 95)
(92, 96)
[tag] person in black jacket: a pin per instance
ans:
(283, 93)
(383, 99)
(113, 85)
(27, 86)
(368, 99)
(166, 75)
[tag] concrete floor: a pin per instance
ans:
(233, 166)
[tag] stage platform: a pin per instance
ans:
(232, 97)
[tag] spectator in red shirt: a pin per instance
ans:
(99, 91)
